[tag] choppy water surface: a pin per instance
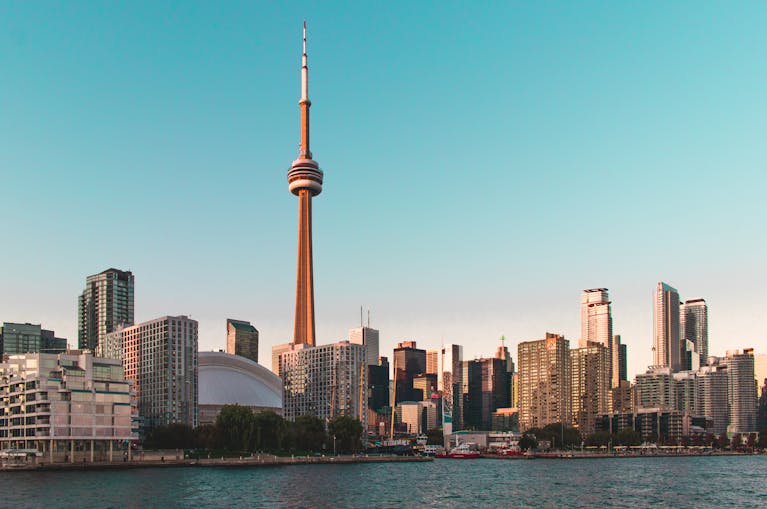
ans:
(638, 482)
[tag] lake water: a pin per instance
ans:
(725, 481)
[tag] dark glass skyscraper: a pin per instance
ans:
(105, 304)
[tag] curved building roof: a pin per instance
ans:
(228, 379)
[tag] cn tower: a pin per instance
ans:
(305, 181)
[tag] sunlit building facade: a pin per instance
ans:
(242, 339)
(325, 381)
(544, 382)
(591, 385)
(70, 406)
(161, 360)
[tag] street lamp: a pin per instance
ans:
(334, 446)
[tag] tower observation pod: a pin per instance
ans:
(304, 181)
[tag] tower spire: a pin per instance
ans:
(305, 103)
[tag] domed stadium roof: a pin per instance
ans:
(228, 379)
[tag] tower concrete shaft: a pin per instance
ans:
(305, 181)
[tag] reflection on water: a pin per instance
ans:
(636, 482)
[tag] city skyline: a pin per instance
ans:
(168, 152)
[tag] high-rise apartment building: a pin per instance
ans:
(325, 381)
(408, 362)
(591, 385)
(241, 339)
(160, 359)
(105, 304)
(654, 389)
(668, 349)
(741, 390)
(368, 337)
(544, 382)
(597, 327)
(693, 327)
(18, 338)
(68, 406)
(713, 396)
(278, 350)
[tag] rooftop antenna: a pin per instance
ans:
(361, 322)
(368, 318)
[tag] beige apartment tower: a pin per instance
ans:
(544, 382)
(591, 384)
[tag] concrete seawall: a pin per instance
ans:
(260, 460)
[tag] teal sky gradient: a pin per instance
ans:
(483, 164)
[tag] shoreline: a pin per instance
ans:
(262, 460)
(579, 456)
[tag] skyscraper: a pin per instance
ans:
(368, 337)
(742, 391)
(325, 381)
(544, 382)
(597, 327)
(241, 339)
(105, 304)
(590, 385)
(596, 317)
(693, 327)
(668, 349)
(305, 181)
(408, 362)
(160, 359)
(449, 381)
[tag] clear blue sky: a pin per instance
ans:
(483, 164)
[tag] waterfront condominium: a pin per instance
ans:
(68, 406)
(241, 339)
(105, 304)
(741, 390)
(668, 349)
(693, 327)
(591, 395)
(325, 381)
(160, 359)
(544, 382)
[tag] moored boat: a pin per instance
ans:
(462, 451)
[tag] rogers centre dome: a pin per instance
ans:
(226, 379)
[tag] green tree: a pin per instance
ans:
(270, 431)
(599, 439)
(628, 437)
(435, 437)
(751, 441)
(722, 442)
(556, 433)
(736, 442)
(172, 436)
(347, 433)
(528, 442)
(206, 437)
(308, 433)
(235, 425)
